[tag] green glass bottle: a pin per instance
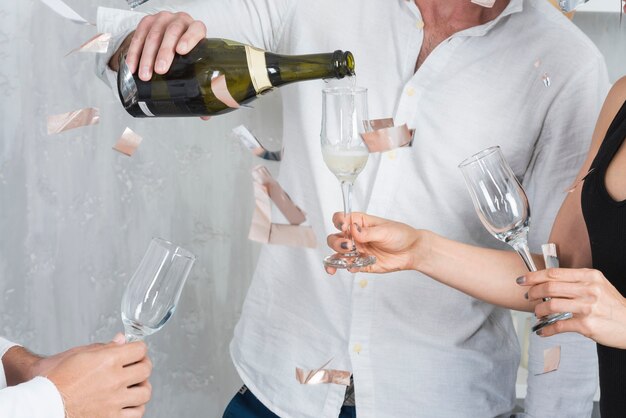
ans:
(186, 89)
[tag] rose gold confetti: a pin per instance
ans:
(321, 375)
(127, 144)
(576, 183)
(72, 120)
(484, 3)
(551, 359)
(220, 90)
(263, 230)
(293, 236)
(537, 63)
(387, 139)
(376, 124)
(252, 143)
(98, 44)
(293, 213)
(261, 225)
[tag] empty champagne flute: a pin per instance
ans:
(152, 294)
(344, 119)
(502, 207)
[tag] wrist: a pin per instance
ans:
(19, 365)
(421, 249)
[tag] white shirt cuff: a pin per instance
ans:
(37, 398)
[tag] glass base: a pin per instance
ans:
(348, 262)
(550, 319)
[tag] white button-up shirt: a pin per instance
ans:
(38, 398)
(416, 348)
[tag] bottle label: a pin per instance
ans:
(258, 69)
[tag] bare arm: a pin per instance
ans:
(486, 274)
(569, 231)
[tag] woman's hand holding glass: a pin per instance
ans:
(395, 245)
(598, 307)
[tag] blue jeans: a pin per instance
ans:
(246, 405)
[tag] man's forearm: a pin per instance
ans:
(18, 365)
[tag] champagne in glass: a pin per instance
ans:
(344, 119)
(152, 294)
(502, 206)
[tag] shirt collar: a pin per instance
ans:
(514, 6)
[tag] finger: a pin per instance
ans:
(136, 412)
(365, 234)
(136, 44)
(339, 220)
(557, 274)
(194, 34)
(205, 117)
(137, 395)
(330, 270)
(339, 243)
(131, 353)
(136, 373)
(554, 289)
(165, 56)
(557, 305)
(119, 338)
(567, 325)
(151, 45)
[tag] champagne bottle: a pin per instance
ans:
(186, 89)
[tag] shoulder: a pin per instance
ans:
(615, 99)
(555, 29)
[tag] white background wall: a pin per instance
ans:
(76, 217)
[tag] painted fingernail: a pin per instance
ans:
(160, 66)
(358, 228)
(344, 245)
(526, 295)
(539, 332)
(521, 280)
(340, 226)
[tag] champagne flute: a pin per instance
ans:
(152, 294)
(344, 119)
(502, 207)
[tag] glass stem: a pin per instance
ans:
(346, 190)
(521, 246)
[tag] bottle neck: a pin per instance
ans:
(283, 69)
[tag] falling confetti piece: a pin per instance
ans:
(253, 144)
(293, 213)
(127, 144)
(263, 230)
(321, 375)
(72, 120)
(98, 44)
(537, 63)
(573, 187)
(135, 3)
(551, 360)
(386, 138)
(546, 80)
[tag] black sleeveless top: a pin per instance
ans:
(606, 224)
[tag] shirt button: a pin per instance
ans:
(363, 283)
(419, 24)
(357, 348)
(410, 91)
